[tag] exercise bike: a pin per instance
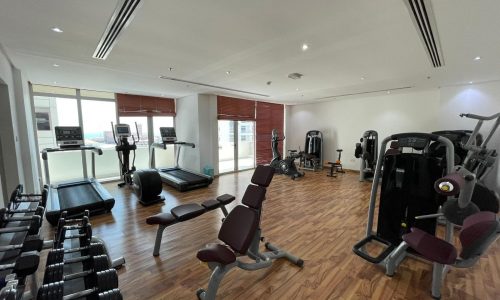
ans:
(123, 148)
(284, 166)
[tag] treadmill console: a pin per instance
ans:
(413, 142)
(69, 136)
(122, 130)
(168, 134)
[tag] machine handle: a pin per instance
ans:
(478, 117)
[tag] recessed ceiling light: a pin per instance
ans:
(228, 72)
(55, 82)
(362, 78)
(171, 69)
(388, 92)
(477, 58)
(55, 65)
(297, 89)
(57, 29)
(305, 47)
(470, 82)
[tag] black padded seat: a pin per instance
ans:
(225, 199)
(263, 175)
(187, 211)
(161, 219)
(216, 253)
(254, 196)
(211, 204)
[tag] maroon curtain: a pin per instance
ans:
(136, 105)
(269, 116)
(235, 109)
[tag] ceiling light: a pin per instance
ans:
(477, 58)
(55, 82)
(470, 82)
(388, 92)
(55, 65)
(171, 69)
(57, 29)
(297, 89)
(305, 47)
(362, 78)
(228, 72)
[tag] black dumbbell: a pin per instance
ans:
(9, 292)
(105, 282)
(32, 229)
(26, 264)
(57, 255)
(31, 243)
(113, 294)
(18, 197)
(84, 233)
(35, 220)
(55, 272)
(38, 211)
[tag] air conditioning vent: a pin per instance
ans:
(423, 18)
(121, 18)
(212, 86)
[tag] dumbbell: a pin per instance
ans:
(9, 291)
(55, 272)
(26, 264)
(106, 283)
(35, 220)
(84, 233)
(18, 197)
(57, 255)
(38, 211)
(33, 228)
(31, 243)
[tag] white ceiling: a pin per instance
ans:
(258, 41)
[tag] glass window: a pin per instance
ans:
(163, 158)
(161, 122)
(51, 112)
(97, 117)
(142, 152)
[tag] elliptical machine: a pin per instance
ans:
(123, 148)
(367, 150)
(284, 166)
(146, 183)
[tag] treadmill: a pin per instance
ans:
(181, 179)
(74, 196)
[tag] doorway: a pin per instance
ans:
(236, 145)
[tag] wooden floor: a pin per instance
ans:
(317, 218)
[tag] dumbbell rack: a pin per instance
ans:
(19, 239)
(79, 264)
(87, 272)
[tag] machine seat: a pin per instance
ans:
(161, 219)
(187, 211)
(211, 204)
(431, 247)
(225, 199)
(216, 253)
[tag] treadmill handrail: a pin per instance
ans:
(96, 150)
(81, 148)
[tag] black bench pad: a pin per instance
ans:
(211, 204)
(216, 253)
(161, 219)
(187, 211)
(225, 199)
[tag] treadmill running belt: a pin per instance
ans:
(77, 195)
(187, 176)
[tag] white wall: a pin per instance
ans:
(187, 130)
(8, 129)
(482, 99)
(344, 121)
(208, 137)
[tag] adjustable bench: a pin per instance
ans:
(186, 212)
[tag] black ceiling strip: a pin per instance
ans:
(432, 36)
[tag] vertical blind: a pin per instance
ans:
(269, 116)
(136, 105)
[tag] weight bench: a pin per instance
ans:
(186, 212)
